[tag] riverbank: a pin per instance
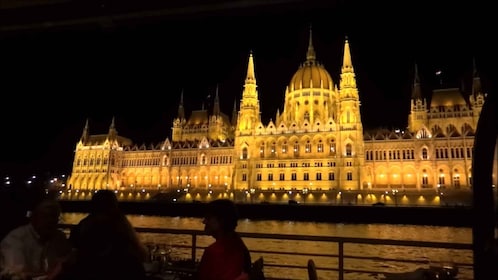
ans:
(437, 216)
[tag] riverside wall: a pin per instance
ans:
(458, 216)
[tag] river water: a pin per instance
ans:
(380, 231)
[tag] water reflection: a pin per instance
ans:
(381, 231)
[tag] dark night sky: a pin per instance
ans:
(52, 81)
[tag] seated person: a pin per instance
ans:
(106, 246)
(103, 202)
(35, 248)
(228, 257)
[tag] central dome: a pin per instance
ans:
(311, 74)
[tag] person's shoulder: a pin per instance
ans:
(16, 235)
(20, 230)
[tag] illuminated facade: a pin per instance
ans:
(316, 143)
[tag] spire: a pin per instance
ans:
(310, 54)
(84, 135)
(348, 88)
(181, 109)
(216, 106)
(251, 77)
(476, 80)
(347, 63)
(234, 112)
(277, 117)
(416, 90)
(113, 124)
(112, 129)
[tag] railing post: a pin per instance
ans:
(341, 260)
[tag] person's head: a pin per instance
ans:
(45, 218)
(104, 201)
(221, 217)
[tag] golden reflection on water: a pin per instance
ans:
(377, 231)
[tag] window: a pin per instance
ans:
(307, 148)
(296, 148)
(293, 176)
(262, 150)
(331, 176)
(425, 154)
(282, 177)
(244, 153)
(306, 176)
(244, 177)
(258, 177)
(441, 178)
(349, 150)
(273, 149)
(425, 179)
(270, 176)
(332, 150)
(318, 176)
(319, 147)
(284, 148)
(456, 181)
(349, 176)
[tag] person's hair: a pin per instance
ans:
(104, 201)
(225, 211)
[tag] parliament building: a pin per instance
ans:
(315, 149)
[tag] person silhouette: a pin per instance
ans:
(105, 245)
(228, 257)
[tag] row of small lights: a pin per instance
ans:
(8, 180)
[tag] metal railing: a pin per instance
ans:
(341, 243)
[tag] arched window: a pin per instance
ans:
(296, 148)
(349, 150)
(441, 181)
(425, 178)
(456, 179)
(284, 148)
(319, 147)
(244, 153)
(307, 148)
(332, 149)
(425, 154)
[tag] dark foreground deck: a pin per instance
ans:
(341, 262)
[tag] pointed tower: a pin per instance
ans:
(477, 95)
(249, 115)
(418, 117)
(234, 113)
(216, 105)
(85, 134)
(181, 109)
(179, 121)
(217, 129)
(350, 141)
(248, 120)
(113, 133)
